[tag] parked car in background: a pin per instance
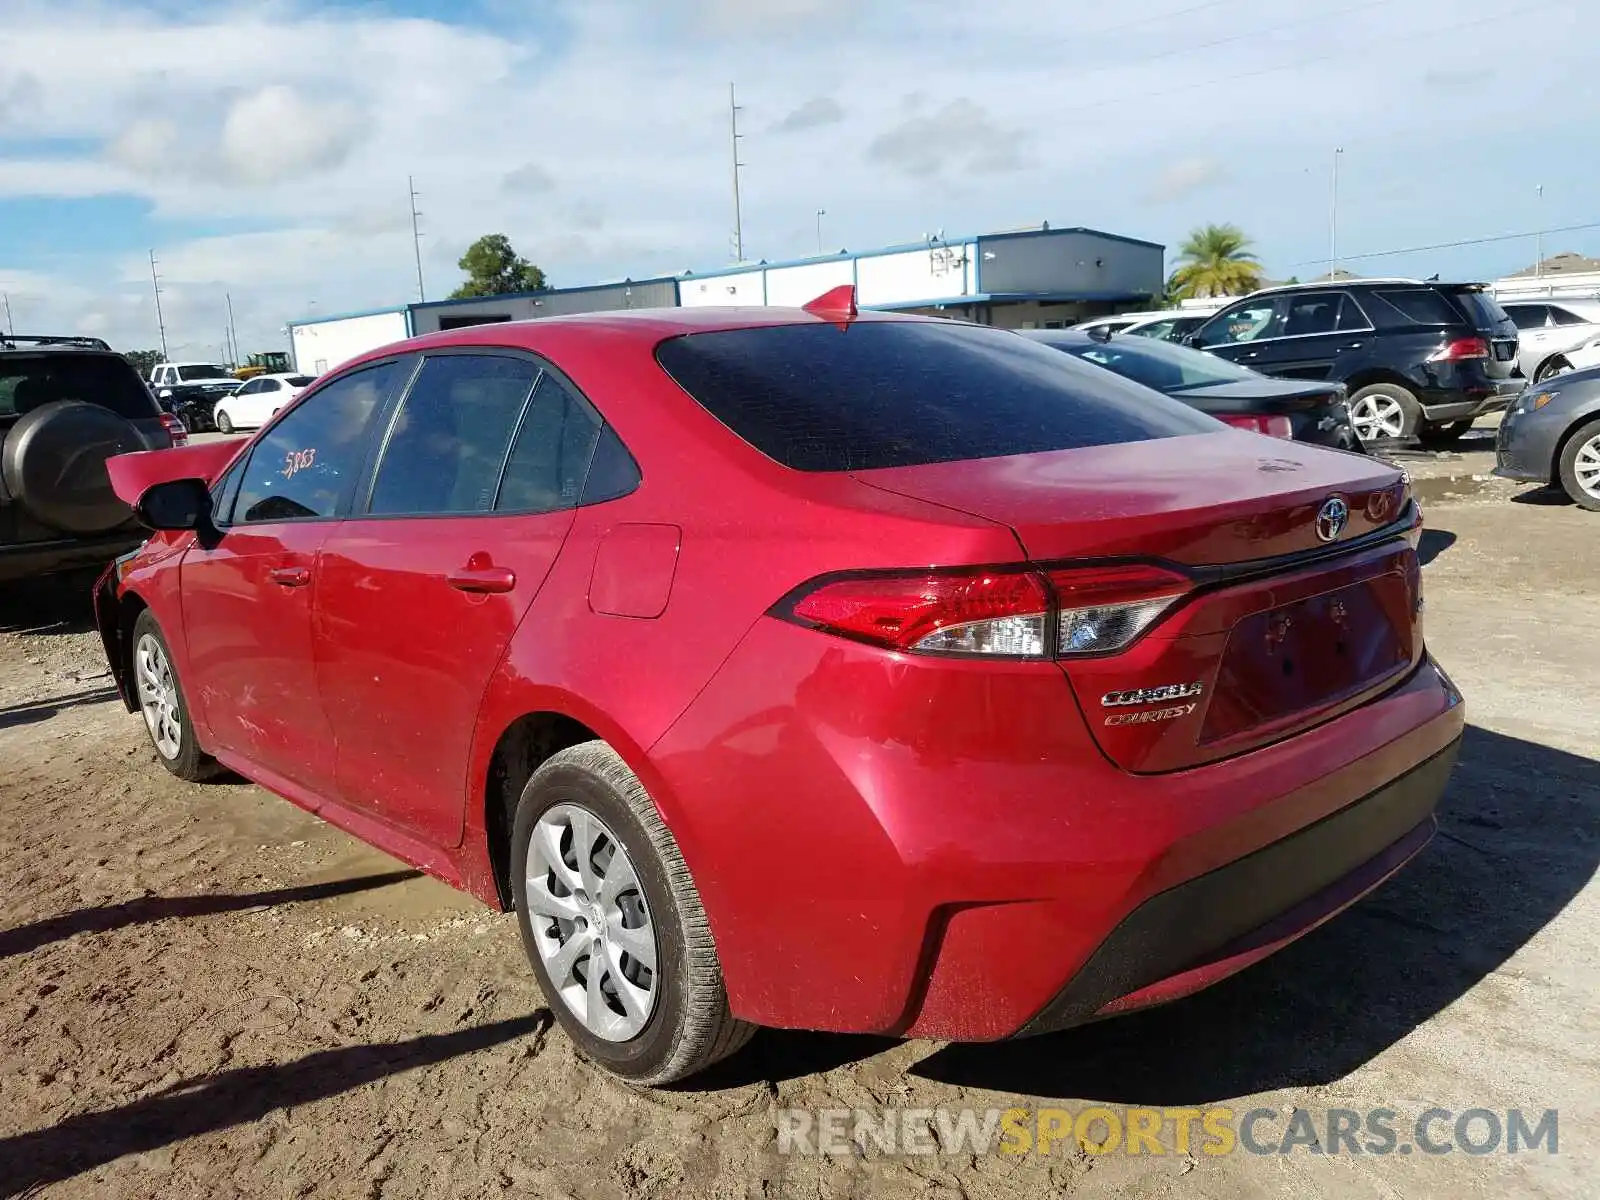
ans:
(191, 390)
(1550, 331)
(817, 669)
(1552, 435)
(257, 401)
(1302, 410)
(1420, 359)
(67, 404)
(1167, 325)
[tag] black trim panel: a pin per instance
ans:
(1185, 926)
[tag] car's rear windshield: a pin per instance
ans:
(1156, 364)
(904, 393)
(30, 381)
(1483, 308)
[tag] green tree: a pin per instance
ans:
(494, 268)
(1215, 260)
(144, 361)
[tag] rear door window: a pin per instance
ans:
(1248, 323)
(1528, 316)
(880, 393)
(1565, 316)
(1312, 312)
(550, 459)
(30, 381)
(448, 443)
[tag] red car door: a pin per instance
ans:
(247, 599)
(421, 589)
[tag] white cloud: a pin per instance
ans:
(147, 146)
(275, 134)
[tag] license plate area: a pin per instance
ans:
(1291, 660)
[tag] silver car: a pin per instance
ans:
(1552, 435)
(1548, 329)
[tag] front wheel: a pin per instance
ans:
(613, 924)
(1384, 412)
(161, 702)
(1580, 467)
(224, 422)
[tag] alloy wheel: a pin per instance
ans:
(158, 696)
(1586, 467)
(591, 923)
(1377, 416)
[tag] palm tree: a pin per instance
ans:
(1215, 261)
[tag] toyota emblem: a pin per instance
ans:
(1332, 517)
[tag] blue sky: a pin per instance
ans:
(262, 148)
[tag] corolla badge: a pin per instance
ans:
(1332, 517)
(1151, 695)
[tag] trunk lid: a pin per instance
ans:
(1207, 500)
(1281, 629)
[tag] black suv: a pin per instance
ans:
(66, 405)
(1420, 359)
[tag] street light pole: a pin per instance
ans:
(1333, 218)
(821, 212)
(738, 207)
(416, 238)
(1538, 238)
(161, 323)
(10, 324)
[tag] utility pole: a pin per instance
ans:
(233, 330)
(738, 211)
(1333, 218)
(10, 324)
(416, 237)
(821, 212)
(1538, 240)
(161, 324)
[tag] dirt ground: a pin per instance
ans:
(205, 992)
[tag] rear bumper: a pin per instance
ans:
(1478, 401)
(32, 559)
(1201, 931)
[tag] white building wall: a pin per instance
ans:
(1569, 286)
(914, 275)
(792, 287)
(744, 287)
(321, 346)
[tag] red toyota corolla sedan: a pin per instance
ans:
(802, 668)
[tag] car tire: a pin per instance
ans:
(1444, 433)
(161, 702)
(224, 422)
(1555, 365)
(590, 854)
(1579, 468)
(1384, 412)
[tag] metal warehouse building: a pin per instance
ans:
(1020, 279)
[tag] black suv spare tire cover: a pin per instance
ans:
(54, 465)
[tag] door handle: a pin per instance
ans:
(1352, 345)
(290, 576)
(482, 579)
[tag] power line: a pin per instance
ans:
(1478, 241)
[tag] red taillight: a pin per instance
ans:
(1007, 613)
(1460, 349)
(1279, 427)
(175, 428)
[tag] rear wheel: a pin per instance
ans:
(161, 702)
(613, 924)
(1384, 412)
(224, 423)
(1450, 431)
(1580, 467)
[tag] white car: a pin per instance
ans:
(1167, 324)
(256, 400)
(1553, 335)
